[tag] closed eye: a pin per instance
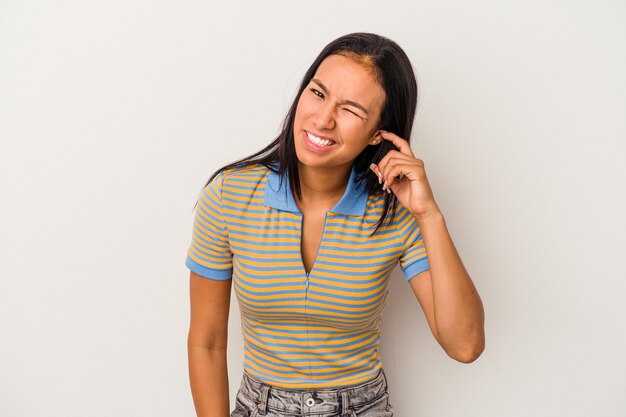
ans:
(356, 114)
(321, 95)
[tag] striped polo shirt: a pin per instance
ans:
(315, 330)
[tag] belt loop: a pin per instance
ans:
(345, 403)
(263, 397)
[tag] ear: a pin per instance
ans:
(376, 139)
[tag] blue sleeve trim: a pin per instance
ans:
(210, 273)
(415, 268)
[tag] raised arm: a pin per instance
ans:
(446, 293)
(206, 345)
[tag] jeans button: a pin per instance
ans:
(310, 402)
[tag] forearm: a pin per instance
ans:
(208, 376)
(458, 309)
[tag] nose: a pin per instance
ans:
(325, 117)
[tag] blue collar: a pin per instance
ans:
(278, 195)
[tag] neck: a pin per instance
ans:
(322, 187)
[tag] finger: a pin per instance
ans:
(382, 164)
(394, 154)
(400, 172)
(376, 171)
(398, 157)
(400, 143)
(391, 162)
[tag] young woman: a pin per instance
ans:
(307, 232)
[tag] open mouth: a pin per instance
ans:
(319, 141)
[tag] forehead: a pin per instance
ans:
(349, 79)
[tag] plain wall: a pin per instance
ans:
(113, 115)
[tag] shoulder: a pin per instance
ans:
(246, 180)
(248, 172)
(244, 174)
(397, 218)
(404, 220)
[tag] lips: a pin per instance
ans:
(316, 143)
(319, 140)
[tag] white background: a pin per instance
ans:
(113, 115)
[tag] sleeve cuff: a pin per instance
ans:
(415, 268)
(210, 273)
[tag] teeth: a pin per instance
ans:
(319, 141)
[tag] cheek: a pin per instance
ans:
(305, 106)
(355, 129)
(298, 111)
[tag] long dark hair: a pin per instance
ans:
(396, 77)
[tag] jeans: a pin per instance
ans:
(369, 399)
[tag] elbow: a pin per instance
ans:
(467, 353)
(467, 356)
(209, 343)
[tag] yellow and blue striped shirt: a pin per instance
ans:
(315, 330)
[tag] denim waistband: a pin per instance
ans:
(311, 401)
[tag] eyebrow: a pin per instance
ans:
(350, 102)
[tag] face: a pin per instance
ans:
(338, 114)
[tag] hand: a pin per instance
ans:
(403, 174)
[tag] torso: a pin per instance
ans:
(314, 210)
(332, 316)
(312, 231)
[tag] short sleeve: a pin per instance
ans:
(209, 254)
(414, 259)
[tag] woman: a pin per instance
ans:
(307, 231)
